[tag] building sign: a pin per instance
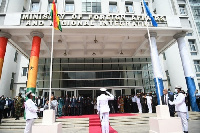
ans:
(128, 20)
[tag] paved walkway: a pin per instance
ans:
(125, 124)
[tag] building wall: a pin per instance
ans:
(20, 80)
(9, 67)
(15, 6)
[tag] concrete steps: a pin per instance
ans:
(10, 123)
(81, 125)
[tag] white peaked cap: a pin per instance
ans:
(103, 89)
(29, 93)
(176, 87)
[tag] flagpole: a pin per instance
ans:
(51, 66)
(151, 49)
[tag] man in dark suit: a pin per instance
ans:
(88, 106)
(67, 104)
(2, 103)
(166, 97)
(73, 105)
(79, 105)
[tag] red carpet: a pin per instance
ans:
(95, 115)
(94, 121)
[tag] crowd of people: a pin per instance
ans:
(71, 106)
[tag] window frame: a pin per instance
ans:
(91, 6)
(113, 4)
(142, 7)
(129, 4)
(69, 8)
(12, 80)
(16, 54)
(197, 66)
(191, 45)
(182, 8)
(31, 8)
(23, 71)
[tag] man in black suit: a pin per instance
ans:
(166, 97)
(2, 104)
(73, 105)
(67, 104)
(79, 105)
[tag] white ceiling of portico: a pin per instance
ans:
(80, 42)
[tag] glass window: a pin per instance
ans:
(56, 67)
(16, 54)
(69, 6)
(84, 72)
(164, 56)
(113, 7)
(147, 3)
(182, 9)
(192, 45)
(56, 60)
(129, 7)
(49, 7)
(24, 71)
(55, 83)
(197, 65)
(91, 6)
(35, 7)
(46, 84)
(12, 81)
(22, 90)
(55, 75)
(168, 78)
(64, 60)
(193, 53)
(42, 61)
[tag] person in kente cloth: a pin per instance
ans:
(103, 109)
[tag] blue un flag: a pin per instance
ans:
(149, 14)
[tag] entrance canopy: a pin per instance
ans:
(92, 35)
(92, 42)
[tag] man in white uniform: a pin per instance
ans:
(149, 102)
(179, 102)
(103, 109)
(31, 112)
(138, 103)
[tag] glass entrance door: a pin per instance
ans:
(70, 93)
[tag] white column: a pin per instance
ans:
(154, 56)
(189, 74)
(184, 55)
(156, 66)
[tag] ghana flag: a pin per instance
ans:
(55, 18)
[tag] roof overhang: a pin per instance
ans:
(92, 41)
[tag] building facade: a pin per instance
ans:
(103, 44)
(187, 9)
